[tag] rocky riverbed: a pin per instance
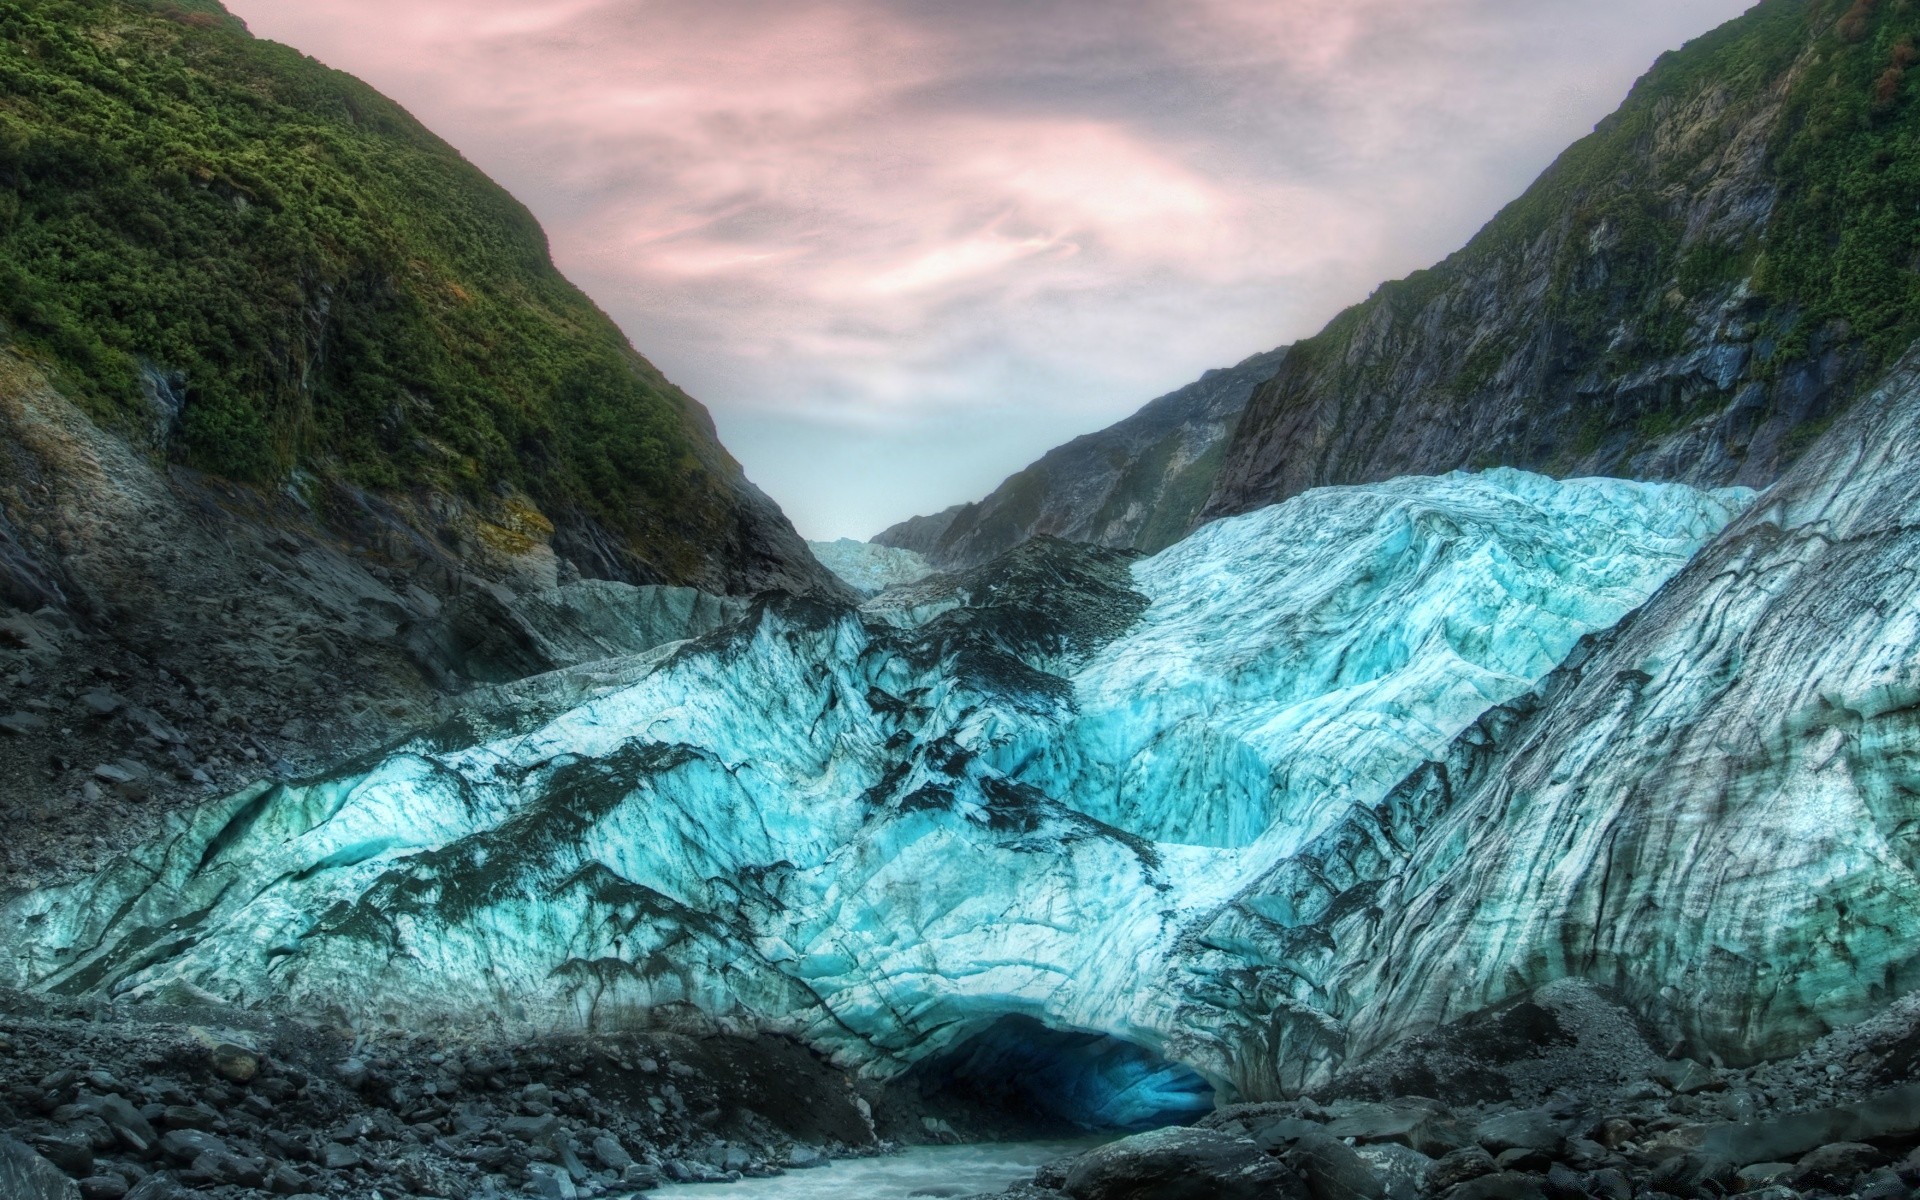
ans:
(157, 1102)
(1558, 1096)
(1555, 1097)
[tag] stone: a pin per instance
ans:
(352, 1072)
(185, 1145)
(1692, 1175)
(102, 702)
(1182, 1164)
(285, 1180)
(236, 1063)
(25, 1175)
(1609, 1183)
(1833, 1166)
(71, 1152)
(1686, 1077)
(1564, 1183)
(550, 1184)
(1755, 1175)
(1615, 1132)
(1457, 1167)
(232, 1169)
(186, 1116)
(1501, 1185)
(20, 724)
(1280, 1132)
(530, 1129)
(1890, 1115)
(1418, 1124)
(337, 1157)
(1332, 1171)
(1528, 1129)
(609, 1153)
(802, 1158)
(1881, 1183)
(1395, 1165)
(102, 1187)
(641, 1176)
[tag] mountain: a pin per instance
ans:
(302, 429)
(1692, 293)
(1137, 484)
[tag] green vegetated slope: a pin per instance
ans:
(1691, 292)
(262, 264)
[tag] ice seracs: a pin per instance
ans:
(1017, 792)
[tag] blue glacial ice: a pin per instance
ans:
(1016, 793)
(869, 568)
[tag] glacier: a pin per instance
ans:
(1107, 795)
(868, 567)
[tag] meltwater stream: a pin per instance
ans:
(919, 1171)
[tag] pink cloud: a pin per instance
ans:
(901, 246)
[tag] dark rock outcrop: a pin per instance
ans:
(1691, 293)
(1135, 485)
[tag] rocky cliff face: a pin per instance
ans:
(1135, 485)
(300, 431)
(1691, 293)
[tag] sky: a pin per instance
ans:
(900, 248)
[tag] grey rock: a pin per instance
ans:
(1395, 1165)
(1687, 1077)
(1459, 1166)
(20, 724)
(233, 1169)
(102, 1187)
(1501, 1185)
(1755, 1175)
(611, 1154)
(185, 1145)
(337, 1157)
(802, 1158)
(103, 703)
(285, 1180)
(1137, 484)
(531, 1129)
(1693, 1175)
(236, 1063)
(1894, 1114)
(1181, 1164)
(1529, 1129)
(1835, 1165)
(72, 1152)
(1417, 1124)
(25, 1175)
(550, 1184)
(1332, 1171)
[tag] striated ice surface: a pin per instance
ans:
(869, 568)
(1057, 788)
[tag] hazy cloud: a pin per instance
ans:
(901, 246)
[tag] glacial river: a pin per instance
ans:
(927, 1171)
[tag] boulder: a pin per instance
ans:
(1182, 1164)
(1332, 1171)
(1528, 1129)
(1468, 1162)
(25, 1175)
(1419, 1124)
(1834, 1166)
(1687, 1077)
(1501, 1185)
(1894, 1114)
(236, 1063)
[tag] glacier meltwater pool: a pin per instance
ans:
(918, 1171)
